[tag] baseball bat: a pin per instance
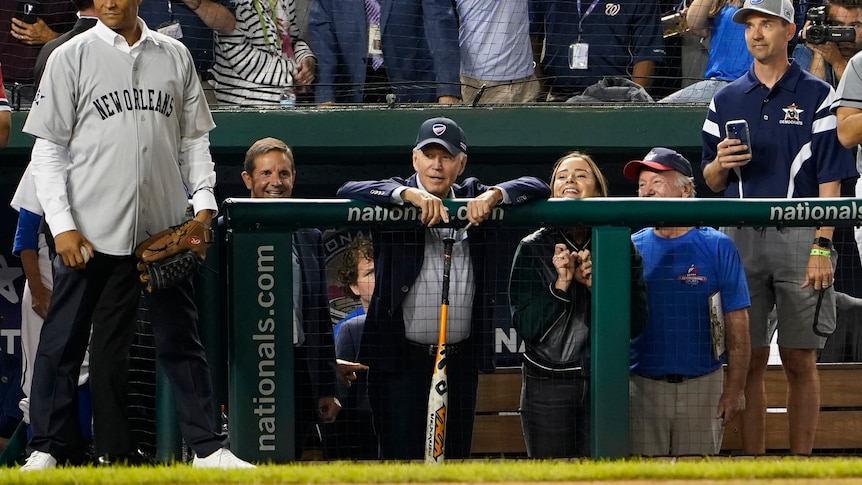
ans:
(438, 394)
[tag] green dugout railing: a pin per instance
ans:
(259, 283)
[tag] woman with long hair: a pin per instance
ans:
(549, 289)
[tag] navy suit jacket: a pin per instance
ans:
(420, 49)
(398, 257)
(347, 347)
(317, 354)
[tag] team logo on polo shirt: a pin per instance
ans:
(791, 115)
(612, 9)
(691, 278)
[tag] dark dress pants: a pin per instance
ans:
(399, 403)
(63, 341)
(555, 413)
(182, 356)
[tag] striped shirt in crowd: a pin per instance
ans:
(252, 66)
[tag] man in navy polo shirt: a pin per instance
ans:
(587, 40)
(794, 152)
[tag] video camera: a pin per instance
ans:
(819, 32)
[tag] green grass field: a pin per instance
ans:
(749, 470)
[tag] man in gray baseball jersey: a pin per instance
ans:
(848, 109)
(121, 128)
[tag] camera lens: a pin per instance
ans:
(815, 34)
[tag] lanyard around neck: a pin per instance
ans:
(262, 20)
(582, 17)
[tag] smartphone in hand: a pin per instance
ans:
(26, 12)
(738, 129)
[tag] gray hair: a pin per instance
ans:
(681, 180)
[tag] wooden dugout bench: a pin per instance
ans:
(497, 428)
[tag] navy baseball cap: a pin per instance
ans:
(660, 159)
(443, 132)
(777, 8)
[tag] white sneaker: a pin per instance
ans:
(221, 458)
(39, 460)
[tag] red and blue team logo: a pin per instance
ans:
(792, 115)
(438, 128)
(691, 278)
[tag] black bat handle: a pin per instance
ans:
(448, 243)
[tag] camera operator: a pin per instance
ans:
(827, 58)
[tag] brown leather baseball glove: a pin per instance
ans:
(172, 255)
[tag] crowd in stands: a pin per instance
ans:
(327, 52)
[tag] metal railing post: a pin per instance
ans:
(609, 332)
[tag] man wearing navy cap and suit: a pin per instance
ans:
(400, 338)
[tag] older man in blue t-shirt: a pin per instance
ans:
(691, 273)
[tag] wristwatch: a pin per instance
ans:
(823, 242)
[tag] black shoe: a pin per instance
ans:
(82, 455)
(135, 458)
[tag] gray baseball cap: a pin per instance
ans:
(782, 9)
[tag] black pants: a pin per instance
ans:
(555, 412)
(399, 402)
(305, 399)
(352, 435)
(114, 325)
(113, 281)
(377, 85)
